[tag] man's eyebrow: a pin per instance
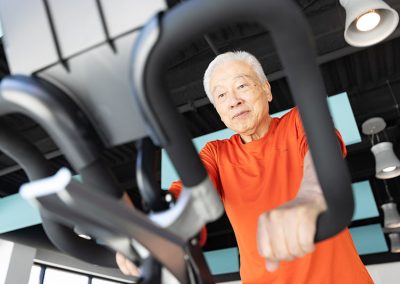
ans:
(242, 75)
(216, 87)
(234, 78)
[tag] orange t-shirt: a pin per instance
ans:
(261, 175)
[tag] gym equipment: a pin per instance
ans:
(67, 125)
(170, 232)
(293, 43)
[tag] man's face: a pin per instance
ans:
(240, 99)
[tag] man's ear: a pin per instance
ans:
(267, 85)
(268, 92)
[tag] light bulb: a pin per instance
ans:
(368, 21)
(389, 169)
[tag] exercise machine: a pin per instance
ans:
(150, 240)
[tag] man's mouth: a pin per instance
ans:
(242, 113)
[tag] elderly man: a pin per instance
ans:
(267, 182)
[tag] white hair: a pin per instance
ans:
(232, 56)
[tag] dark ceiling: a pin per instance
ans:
(366, 74)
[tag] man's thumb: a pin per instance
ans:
(271, 265)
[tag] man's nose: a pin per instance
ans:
(235, 100)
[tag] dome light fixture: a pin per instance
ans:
(391, 215)
(394, 242)
(387, 165)
(368, 21)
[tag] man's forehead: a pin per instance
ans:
(229, 78)
(230, 71)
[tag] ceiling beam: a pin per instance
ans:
(322, 59)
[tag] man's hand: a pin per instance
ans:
(126, 266)
(288, 231)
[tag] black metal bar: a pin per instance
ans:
(63, 62)
(42, 274)
(36, 167)
(64, 121)
(145, 161)
(110, 41)
(24, 153)
(109, 221)
(211, 45)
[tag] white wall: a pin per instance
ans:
(15, 262)
(64, 261)
(386, 273)
(5, 255)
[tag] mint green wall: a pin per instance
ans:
(16, 213)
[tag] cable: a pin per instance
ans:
(393, 96)
(391, 199)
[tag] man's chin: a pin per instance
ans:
(240, 130)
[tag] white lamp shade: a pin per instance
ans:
(391, 215)
(387, 165)
(394, 242)
(389, 20)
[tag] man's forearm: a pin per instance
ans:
(310, 188)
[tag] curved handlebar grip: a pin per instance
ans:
(148, 188)
(36, 167)
(54, 111)
(66, 124)
(293, 42)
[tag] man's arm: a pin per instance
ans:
(287, 232)
(207, 157)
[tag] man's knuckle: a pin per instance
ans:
(266, 253)
(294, 250)
(276, 216)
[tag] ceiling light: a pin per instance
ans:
(389, 169)
(394, 242)
(368, 21)
(391, 215)
(387, 165)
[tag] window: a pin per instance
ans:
(101, 281)
(55, 276)
(35, 275)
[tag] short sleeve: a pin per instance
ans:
(208, 156)
(302, 138)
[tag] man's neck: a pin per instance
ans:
(260, 132)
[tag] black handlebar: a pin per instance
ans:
(37, 167)
(65, 123)
(294, 44)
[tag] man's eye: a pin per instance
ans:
(220, 96)
(243, 86)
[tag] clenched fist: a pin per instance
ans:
(126, 266)
(287, 232)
